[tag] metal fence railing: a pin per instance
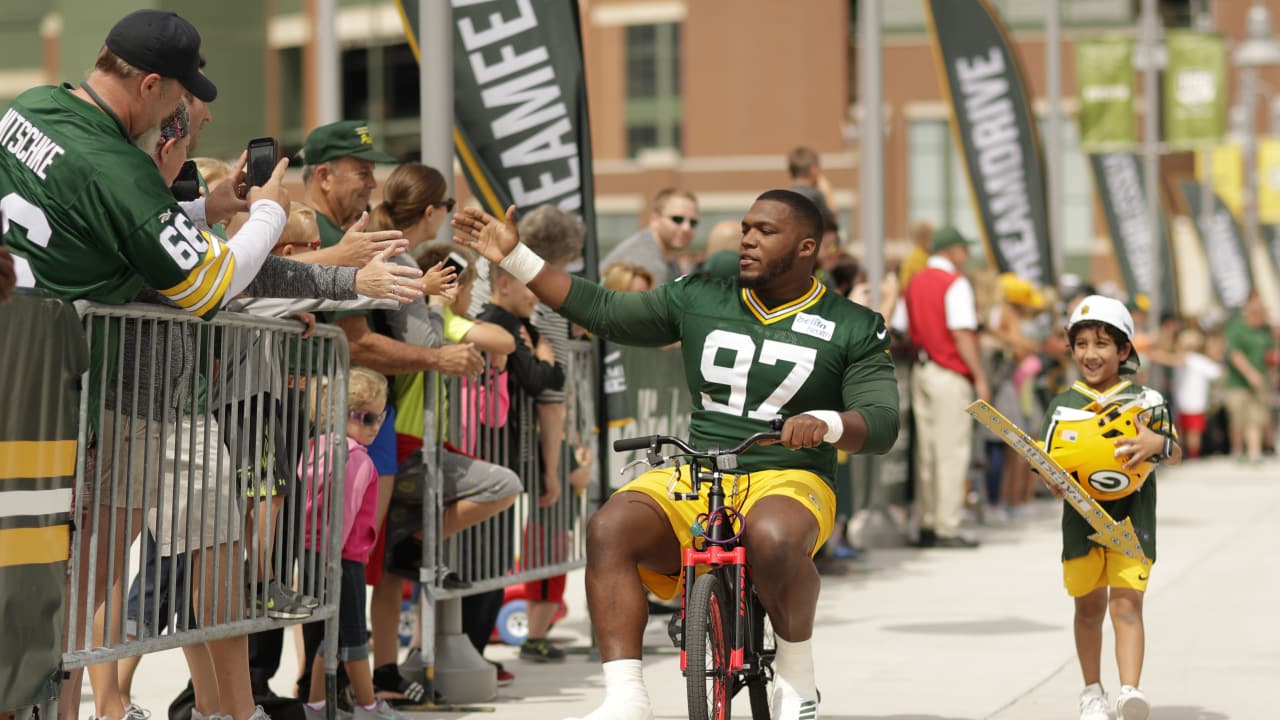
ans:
(188, 484)
(499, 424)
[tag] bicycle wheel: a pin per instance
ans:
(764, 646)
(706, 640)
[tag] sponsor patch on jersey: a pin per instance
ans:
(813, 325)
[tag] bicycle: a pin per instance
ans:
(721, 627)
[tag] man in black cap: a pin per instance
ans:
(91, 218)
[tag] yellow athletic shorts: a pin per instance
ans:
(1103, 568)
(802, 486)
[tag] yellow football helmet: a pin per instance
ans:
(1083, 443)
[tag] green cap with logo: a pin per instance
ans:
(946, 237)
(349, 138)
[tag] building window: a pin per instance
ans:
(653, 87)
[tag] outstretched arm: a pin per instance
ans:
(499, 242)
(631, 318)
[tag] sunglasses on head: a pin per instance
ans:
(368, 419)
(681, 219)
(446, 203)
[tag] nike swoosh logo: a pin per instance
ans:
(1143, 578)
(880, 335)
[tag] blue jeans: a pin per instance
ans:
(156, 592)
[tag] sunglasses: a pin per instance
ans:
(369, 419)
(681, 219)
(446, 203)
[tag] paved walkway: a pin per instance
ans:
(986, 633)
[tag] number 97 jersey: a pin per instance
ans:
(748, 360)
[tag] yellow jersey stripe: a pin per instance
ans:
(212, 281)
(35, 546)
(39, 459)
(219, 289)
(769, 316)
(194, 280)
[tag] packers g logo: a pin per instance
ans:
(1108, 483)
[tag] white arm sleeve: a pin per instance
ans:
(194, 210)
(253, 244)
(961, 313)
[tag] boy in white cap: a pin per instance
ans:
(1116, 468)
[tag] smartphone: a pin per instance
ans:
(457, 262)
(264, 153)
(186, 186)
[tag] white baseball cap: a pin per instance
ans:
(1101, 308)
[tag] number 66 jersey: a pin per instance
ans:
(87, 214)
(748, 359)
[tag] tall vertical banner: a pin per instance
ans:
(1195, 89)
(1224, 246)
(991, 121)
(521, 129)
(1118, 178)
(1104, 78)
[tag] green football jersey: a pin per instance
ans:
(1139, 506)
(87, 214)
(749, 359)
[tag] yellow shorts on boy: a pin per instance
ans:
(1103, 568)
(802, 486)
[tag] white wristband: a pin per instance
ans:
(523, 263)
(835, 424)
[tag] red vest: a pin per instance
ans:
(927, 314)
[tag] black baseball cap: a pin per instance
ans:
(161, 42)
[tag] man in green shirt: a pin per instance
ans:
(771, 342)
(1248, 339)
(338, 180)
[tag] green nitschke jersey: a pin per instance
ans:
(87, 214)
(748, 360)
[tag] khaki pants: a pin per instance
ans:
(943, 436)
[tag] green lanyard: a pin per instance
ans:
(102, 104)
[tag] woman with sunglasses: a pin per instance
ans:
(414, 203)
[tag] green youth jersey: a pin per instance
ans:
(749, 359)
(88, 216)
(1139, 506)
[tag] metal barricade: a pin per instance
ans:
(495, 424)
(201, 447)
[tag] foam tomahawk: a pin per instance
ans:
(1108, 533)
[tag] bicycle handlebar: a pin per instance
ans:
(653, 442)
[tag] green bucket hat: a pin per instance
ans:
(349, 138)
(946, 237)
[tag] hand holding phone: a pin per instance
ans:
(456, 261)
(264, 153)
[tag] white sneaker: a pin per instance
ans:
(1132, 704)
(787, 704)
(259, 714)
(382, 710)
(1093, 703)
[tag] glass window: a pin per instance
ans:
(653, 87)
(926, 171)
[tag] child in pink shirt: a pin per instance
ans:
(366, 405)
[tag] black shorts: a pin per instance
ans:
(353, 627)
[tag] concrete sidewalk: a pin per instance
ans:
(967, 634)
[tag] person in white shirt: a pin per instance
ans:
(1192, 377)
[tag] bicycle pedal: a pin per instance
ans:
(675, 629)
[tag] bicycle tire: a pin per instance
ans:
(762, 643)
(706, 642)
